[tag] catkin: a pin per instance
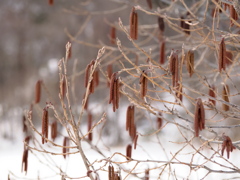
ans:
(65, 144)
(173, 68)
(149, 2)
(89, 126)
(143, 82)
(199, 119)
(222, 56)
(25, 160)
(129, 152)
(114, 92)
(44, 125)
(54, 130)
(162, 52)
(50, 2)
(38, 91)
(133, 24)
(225, 96)
(161, 25)
(113, 35)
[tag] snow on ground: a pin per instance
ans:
(160, 146)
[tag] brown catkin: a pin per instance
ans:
(114, 92)
(113, 35)
(173, 67)
(149, 2)
(89, 126)
(129, 151)
(227, 144)
(159, 121)
(211, 93)
(135, 141)
(24, 121)
(199, 119)
(161, 25)
(44, 125)
(185, 26)
(96, 78)
(65, 144)
(25, 160)
(130, 117)
(144, 82)
(133, 24)
(54, 130)
(50, 2)
(162, 52)
(222, 56)
(110, 172)
(38, 91)
(190, 62)
(233, 15)
(147, 174)
(63, 87)
(225, 96)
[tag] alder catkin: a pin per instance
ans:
(50, 2)
(133, 24)
(227, 144)
(161, 25)
(173, 68)
(162, 52)
(222, 56)
(89, 126)
(225, 96)
(129, 152)
(38, 91)
(149, 2)
(113, 35)
(143, 82)
(65, 144)
(199, 119)
(54, 130)
(44, 125)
